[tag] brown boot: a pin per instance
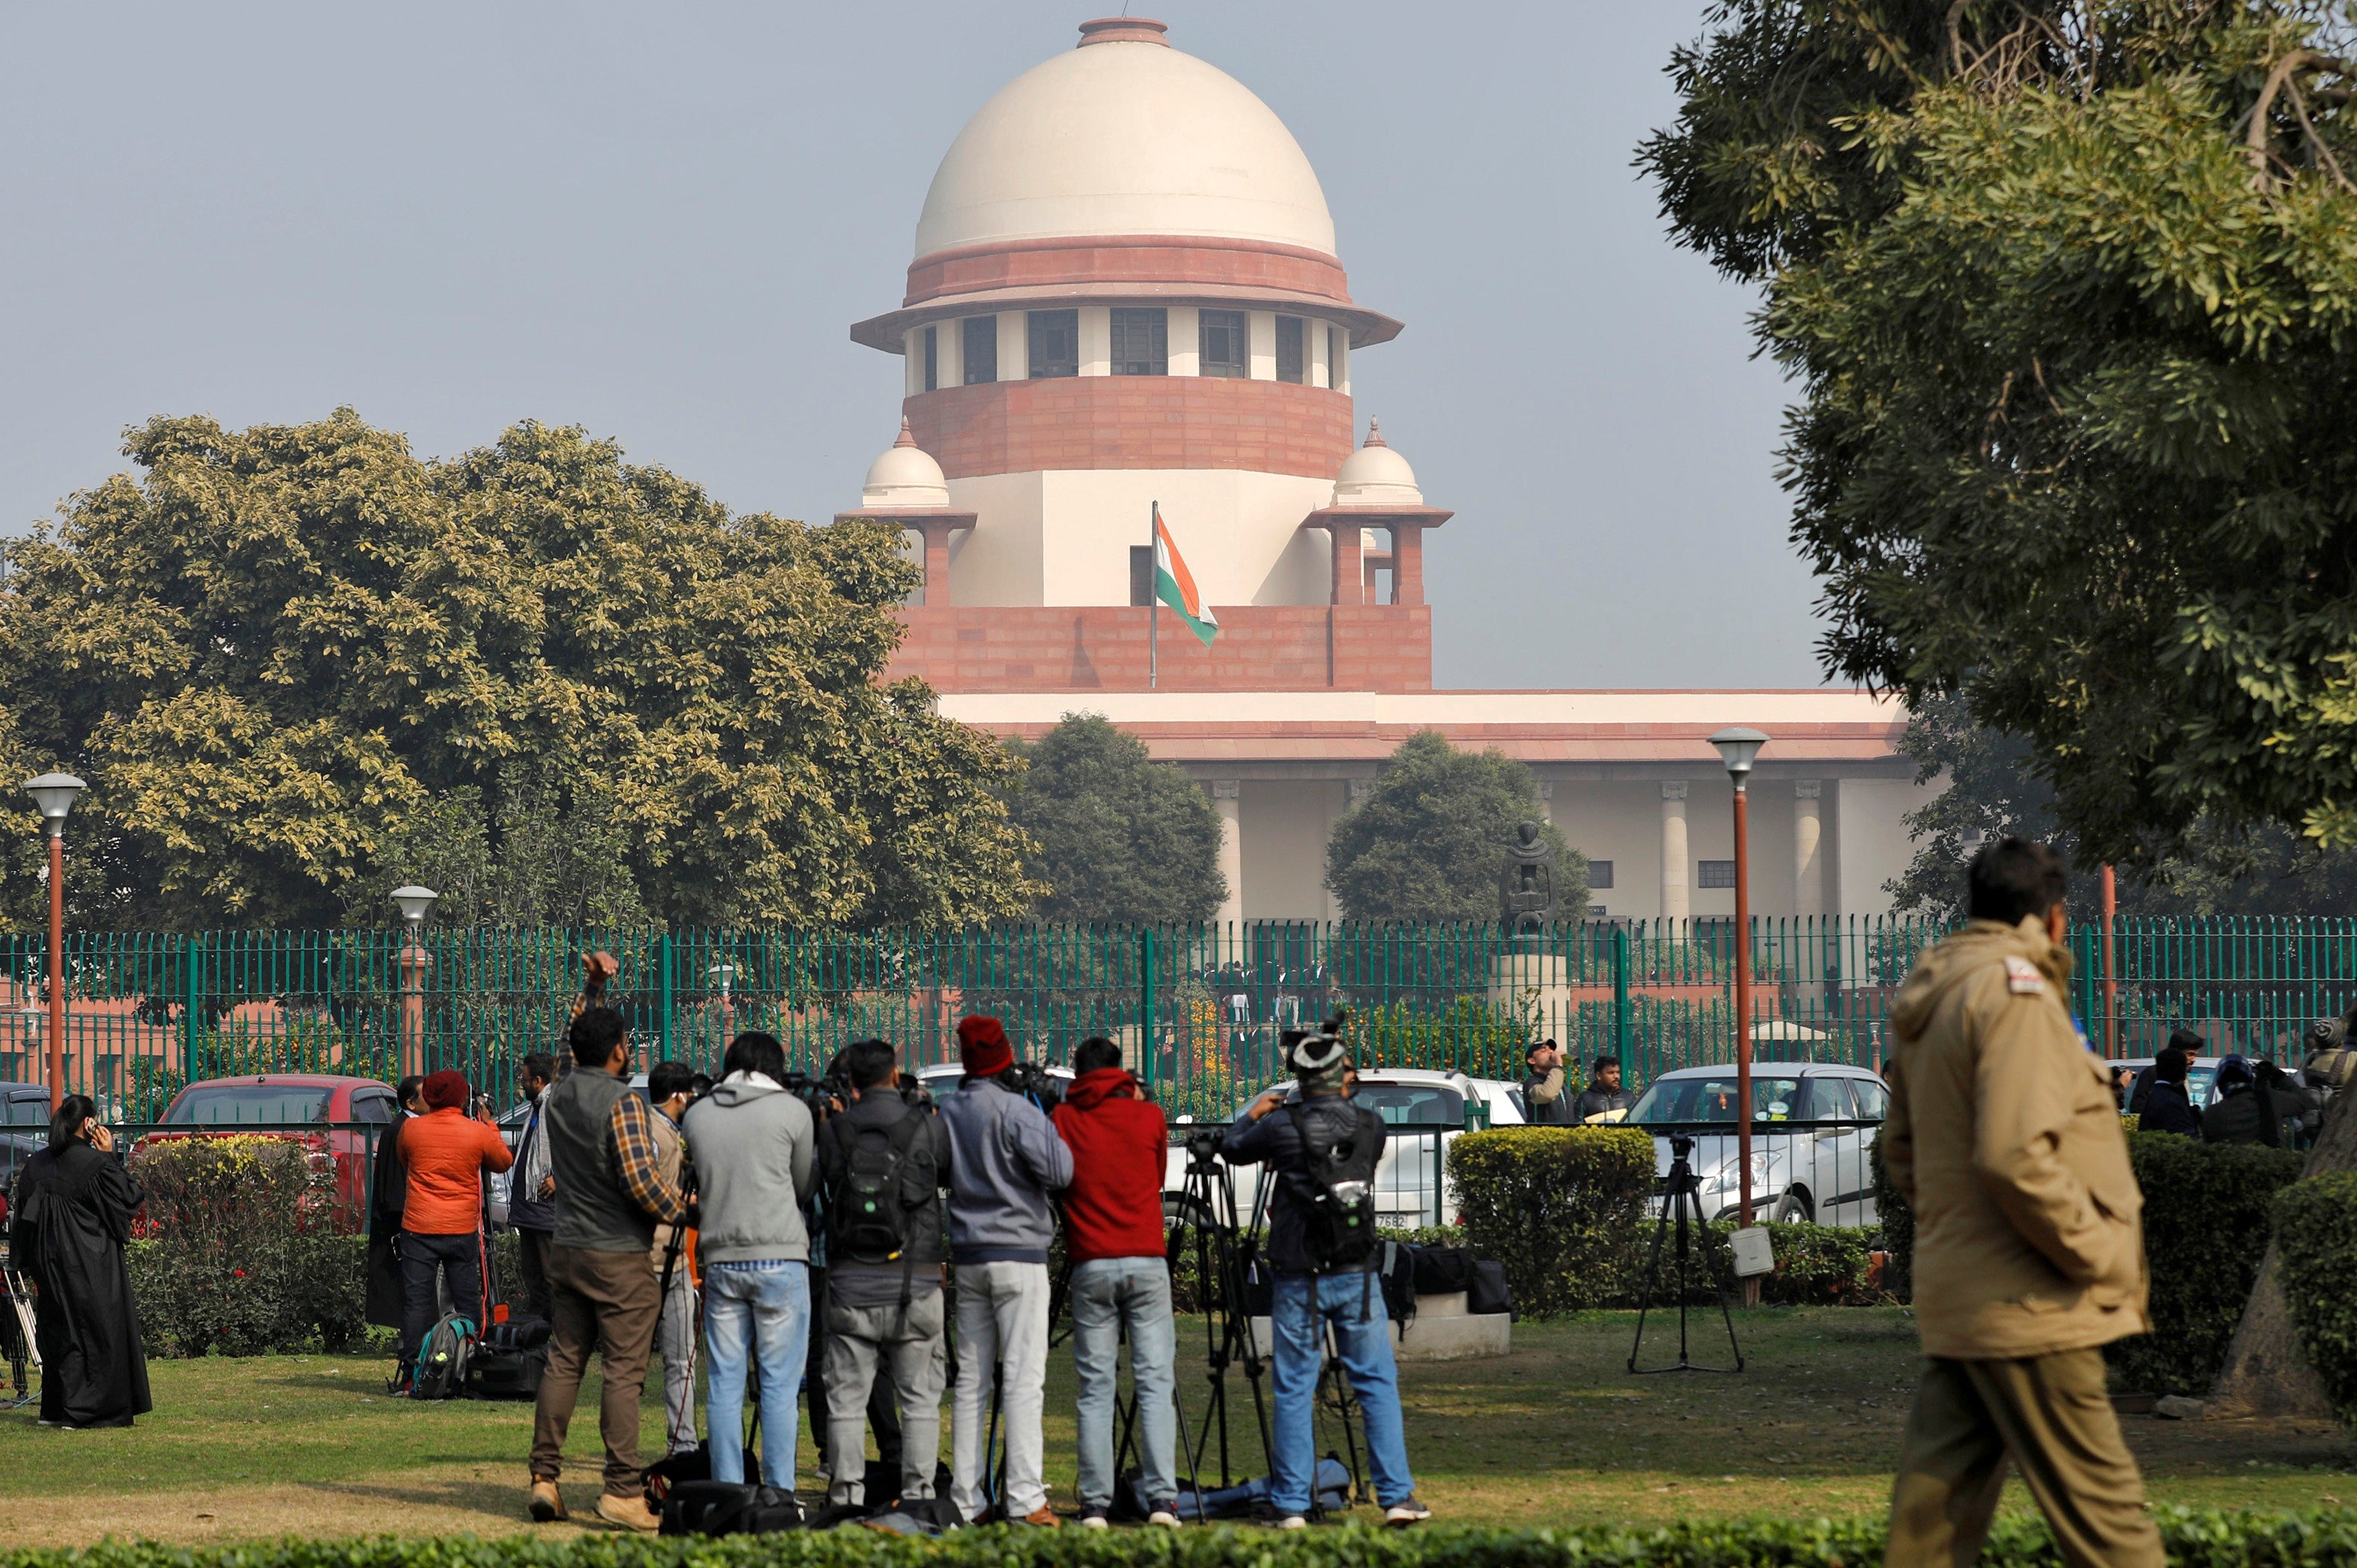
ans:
(547, 1504)
(629, 1511)
(1044, 1518)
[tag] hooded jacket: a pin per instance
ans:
(1004, 1159)
(751, 1144)
(2003, 1139)
(1120, 1146)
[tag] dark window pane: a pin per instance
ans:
(1055, 343)
(1600, 873)
(1715, 873)
(1223, 343)
(932, 359)
(1828, 1101)
(217, 1105)
(1289, 358)
(1141, 579)
(981, 349)
(1141, 342)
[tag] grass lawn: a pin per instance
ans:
(1557, 1432)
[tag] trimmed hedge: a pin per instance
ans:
(1816, 1265)
(2203, 1538)
(1560, 1207)
(2205, 1231)
(2316, 1263)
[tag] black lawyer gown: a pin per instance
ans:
(70, 1218)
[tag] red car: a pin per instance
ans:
(277, 1104)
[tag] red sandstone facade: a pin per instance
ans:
(1132, 421)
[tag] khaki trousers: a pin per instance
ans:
(2052, 1416)
(609, 1301)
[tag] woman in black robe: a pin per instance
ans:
(70, 1221)
(388, 1194)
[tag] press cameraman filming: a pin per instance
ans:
(1325, 1152)
(1004, 1159)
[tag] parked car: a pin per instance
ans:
(1423, 1112)
(1812, 1124)
(2201, 1079)
(24, 1131)
(277, 1105)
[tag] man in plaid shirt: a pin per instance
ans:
(610, 1194)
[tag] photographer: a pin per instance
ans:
(670, 1086)
(1004, 1159)
(1545, 1100)
(751, 1141)
(1325, 1150)
(882, 1162)
(1121, 1277)
(532, 1190)
(446, 1152)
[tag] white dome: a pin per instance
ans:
(1124, 137)
(905, 476)
(1375, 476)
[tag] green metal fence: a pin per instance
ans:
(1198, 1010)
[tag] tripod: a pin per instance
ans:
(1682, 1190)
(1203, 1227)
(17, 1340)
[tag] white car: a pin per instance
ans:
(1813, 1129)
(1423, 1112)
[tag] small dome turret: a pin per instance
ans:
(905, 478)
(1376, 476)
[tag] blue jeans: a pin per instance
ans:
(765, 1304)
(1107, 1293)
(1354, 1303)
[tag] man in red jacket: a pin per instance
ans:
(1112, 1231)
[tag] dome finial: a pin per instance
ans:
(908, 437)
(1374, 432)
(1122, 29)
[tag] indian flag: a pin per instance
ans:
(1175, 585)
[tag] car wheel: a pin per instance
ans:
(1793, 1208)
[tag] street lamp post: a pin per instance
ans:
(1736, 747)
(413, 901)
(55, 794)
(724, 973)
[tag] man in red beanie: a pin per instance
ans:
(1113, 1234)
(1004, 1159)
(441, 1215)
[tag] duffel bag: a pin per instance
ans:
(1443, 1270)
(1487, 1292)
(728, 1507)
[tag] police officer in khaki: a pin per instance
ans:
(2003, 1139)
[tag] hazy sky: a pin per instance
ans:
(659, 223)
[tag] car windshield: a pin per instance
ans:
(1412, 1104)
(228, 1104)
(2199, 1082)
(1712, 1099)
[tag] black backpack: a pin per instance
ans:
(879, 1185)
(1339, 1231)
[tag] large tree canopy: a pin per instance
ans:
(296, 664)
(1120, 837)
(1429, 841)
(2070, 293)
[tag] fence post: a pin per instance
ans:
(1620, 999)
(192, 961)
(663, 961)
(1145, 978)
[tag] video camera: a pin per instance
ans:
(1031, 1079)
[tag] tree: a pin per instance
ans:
(1121, 838)
(297, 662)
(1426, 843)
(2069, 292)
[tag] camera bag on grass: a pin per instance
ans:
(728, 1507)
(443, 1359)
(512, 1352)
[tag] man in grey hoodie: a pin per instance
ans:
(1006, 1158)
(751, 1144)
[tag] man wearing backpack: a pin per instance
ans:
(1004, 1159)
(1321, 1247)
(882, 1162)
(1121, 1278)
(446, 1152)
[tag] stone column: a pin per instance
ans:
(1546, 800)
(1677, 903)
(1227, 797)
(1808, 853)
(1408, 562)
(1348, 539)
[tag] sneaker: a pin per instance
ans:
(1292, 1521)
(1165, 1515)
(547, 1504)
(1093, 1517)
(630, 1512)
(1405, 1512)
(1043, 1518)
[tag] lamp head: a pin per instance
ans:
(415, 901)
(1736, 747)
(55, 794)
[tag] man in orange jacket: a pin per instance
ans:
(441, 1215)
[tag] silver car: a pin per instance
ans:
(1813, 1129)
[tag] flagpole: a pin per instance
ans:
(1153, 595)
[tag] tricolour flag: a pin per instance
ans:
(1175, 585)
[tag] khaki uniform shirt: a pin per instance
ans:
(2003, 1139)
